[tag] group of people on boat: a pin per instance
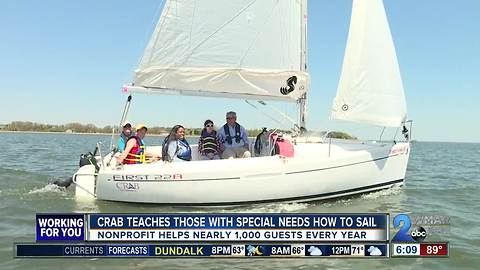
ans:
(230, 141)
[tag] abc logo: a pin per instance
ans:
(403, 222)
(419, 234)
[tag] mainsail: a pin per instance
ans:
(370, 88)
(227, 48)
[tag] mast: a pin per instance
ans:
(303, 65)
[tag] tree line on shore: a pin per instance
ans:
(91, 128)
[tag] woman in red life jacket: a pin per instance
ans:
(135, 149)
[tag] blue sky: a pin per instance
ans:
(65, 61)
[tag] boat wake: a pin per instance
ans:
(49, 188)
(270, 208)
(382, 193)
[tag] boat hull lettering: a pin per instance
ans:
(137, 177)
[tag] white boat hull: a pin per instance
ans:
(318, 171)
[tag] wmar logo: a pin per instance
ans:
(290, 86)
(416, 235)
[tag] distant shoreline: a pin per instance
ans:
(28, 127)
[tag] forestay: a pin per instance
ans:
(236, 48)
(370, 88)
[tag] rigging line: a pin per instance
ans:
(272, 118)
(381, 134)
(218, 29)
(304, 33)
(124, 117)
(279, 112)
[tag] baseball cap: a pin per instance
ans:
(141, 126)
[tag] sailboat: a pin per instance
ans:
(257, 50)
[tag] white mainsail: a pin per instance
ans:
(227, 48)
(370, 88)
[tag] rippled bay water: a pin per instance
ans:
(442, 179)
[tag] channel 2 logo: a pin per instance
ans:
(416, 235)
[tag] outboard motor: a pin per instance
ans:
(85, 159)
(89, 159)
(65, 183)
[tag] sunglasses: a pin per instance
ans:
(127, 126)
(209, 125)
(228, 118)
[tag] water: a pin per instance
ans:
(442, 179)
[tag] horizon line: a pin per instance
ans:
(109, 134)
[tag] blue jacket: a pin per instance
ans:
(179, 150)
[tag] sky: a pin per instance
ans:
(66, 61)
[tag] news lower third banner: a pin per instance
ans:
(212, 227)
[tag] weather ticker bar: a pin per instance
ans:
(374, 250)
